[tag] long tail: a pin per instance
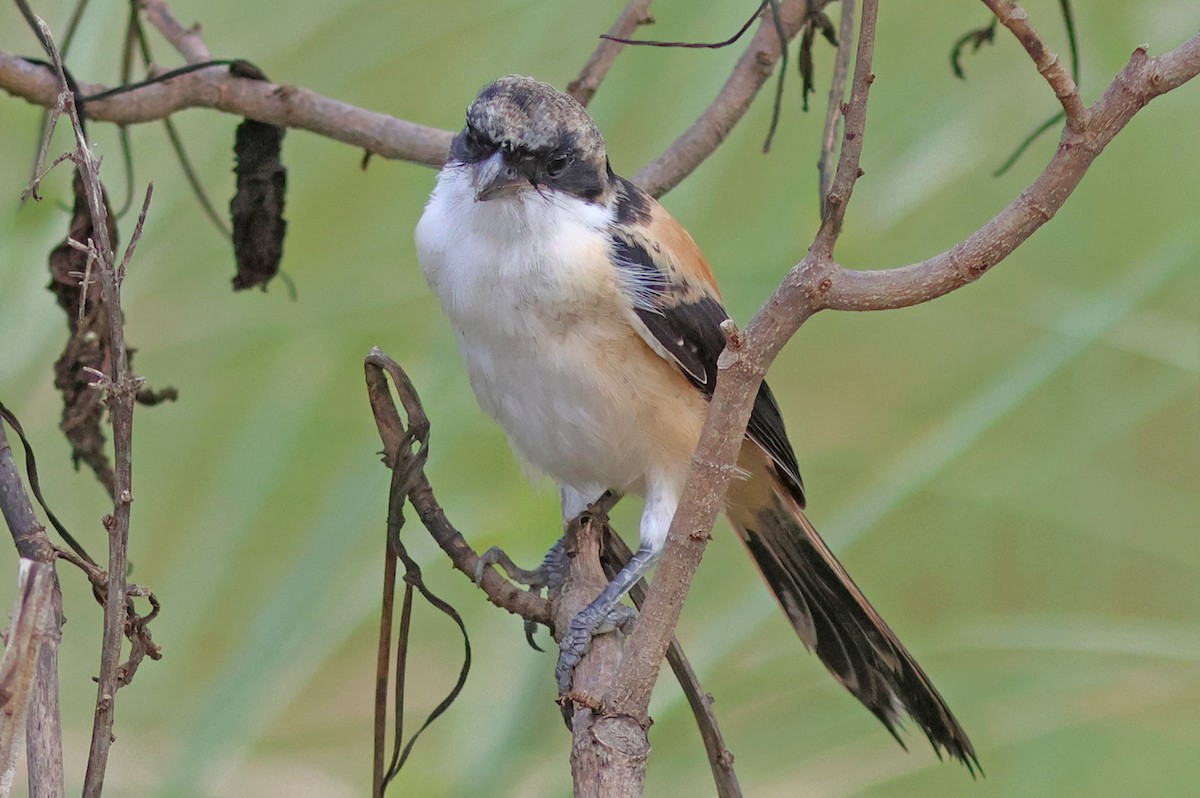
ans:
(830, 613)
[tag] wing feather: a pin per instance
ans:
(678, 312)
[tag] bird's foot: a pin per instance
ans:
(550, 574)
(594, 619)
(533, 579)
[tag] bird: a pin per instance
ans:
(589, 322)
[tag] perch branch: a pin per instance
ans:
(403, 442)
(817, 283)
(608, 752)
(396, 437)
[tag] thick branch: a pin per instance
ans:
(608, 752)
(729, 106)
(817, 283)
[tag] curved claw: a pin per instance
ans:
(531, 628)
(535, 579)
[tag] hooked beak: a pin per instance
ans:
(495, 178)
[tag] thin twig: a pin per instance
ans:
(120, 389)
(39, 170)
(1027, 142)
(186, 40)
(137, 234)
(837, 96)
(691, 45)
(192, 47)
(848, 170)
(635, 13)
(1016, 19)
(397, 438)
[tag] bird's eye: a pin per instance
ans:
(556, 166)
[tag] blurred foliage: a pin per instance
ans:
(1010, 472)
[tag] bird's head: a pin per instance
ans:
(522, 134)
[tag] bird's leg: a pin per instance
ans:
(604, 614)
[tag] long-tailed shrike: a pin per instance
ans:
(589, 323)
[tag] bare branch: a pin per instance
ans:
(848, 170)
(19, 665)
(1142, 80)
(43, 732)
(186, 40)
(583, 88)
(398, 442)
(817, 283)
(729, 106)
(1016, 19)
(608, 751)
(119, 389)
(137, 234)
(287, 106)
(837, 95)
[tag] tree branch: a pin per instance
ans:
(837, 94)
(389, 137)
(1016, 19)
(286, 106)
(583, 88)
(817, 283)
(398, 442)
(848, 170)
(729, 106)
(43, 624)
(186, 40)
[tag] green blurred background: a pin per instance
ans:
(1010, 472)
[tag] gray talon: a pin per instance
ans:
(592, 620)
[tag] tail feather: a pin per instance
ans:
(830, 613)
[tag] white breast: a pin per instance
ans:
(542, 327)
